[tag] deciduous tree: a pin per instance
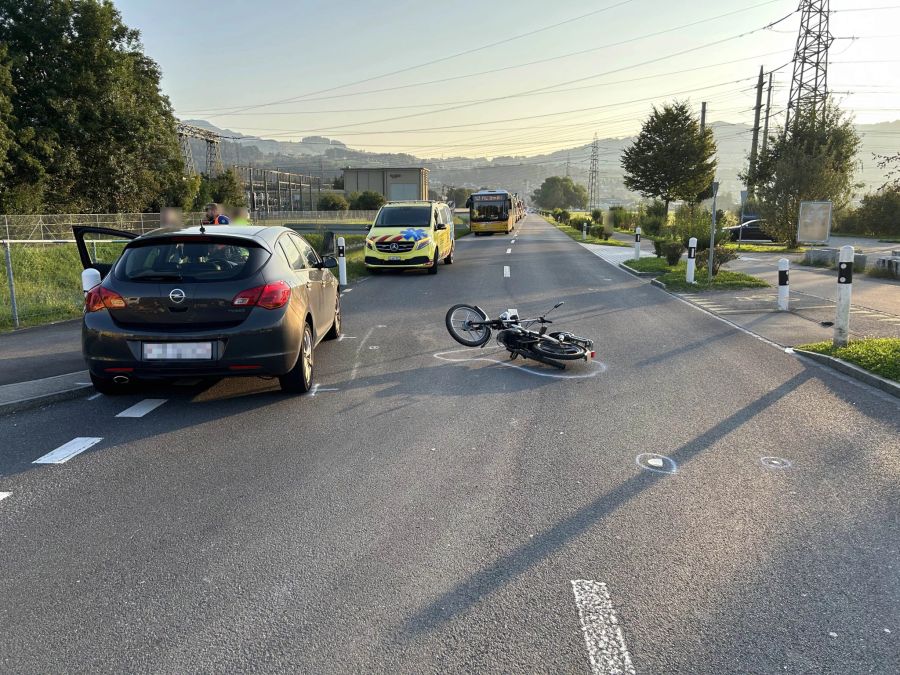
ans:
(559, 192)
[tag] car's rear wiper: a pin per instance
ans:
(157, 277)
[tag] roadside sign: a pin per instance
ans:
(814, 223)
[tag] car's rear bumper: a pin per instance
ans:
(266, 343)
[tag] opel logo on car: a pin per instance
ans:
(176, 295)
(394, 247)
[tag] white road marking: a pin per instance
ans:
(67, 451)
(343, 337)
(658, 463)
(359, 350)
(508, 251)
(140, 409)
(513, 241)
(506, 271)
(603, 636)
(373, 346)
(4, 495)
(94, 397)
(346, 290)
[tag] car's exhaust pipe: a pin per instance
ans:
(121, 379)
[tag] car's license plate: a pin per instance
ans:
(394, 257)
(177, 350)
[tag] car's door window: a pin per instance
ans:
(307, 251)
(294, 256)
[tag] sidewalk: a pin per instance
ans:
(41, 364)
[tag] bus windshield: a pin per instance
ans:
(492, 208)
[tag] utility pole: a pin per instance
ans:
(765, 139)
(703, 118)
(594, 175)
(755, 142)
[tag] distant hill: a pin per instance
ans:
(325, 157)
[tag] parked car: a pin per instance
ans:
(749, 231)
(411, 234)
(214, 301)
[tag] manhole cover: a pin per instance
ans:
(775, 463)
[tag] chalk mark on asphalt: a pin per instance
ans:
(657, 463)
(316, 389)
(603, 635)
(466, 356)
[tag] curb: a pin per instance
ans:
(659, 284)
(853, 371)
(37, 401)
(636, 273)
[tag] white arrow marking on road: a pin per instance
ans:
(602, 633)
(4, 495)
(67, 451)
(142, 408)
(506, 271)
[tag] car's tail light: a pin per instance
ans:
(270, 296)
(102, 298)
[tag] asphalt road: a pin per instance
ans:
(429, 509)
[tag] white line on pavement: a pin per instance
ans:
(513, 241)
(94, 397)
(506, 271)
(508, 251)
(4, 495)
(67, 451)
(343, 337)
(602, 634)
(142, 408)
(316, 389)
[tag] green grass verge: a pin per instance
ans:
(877, 355)
(724, 280)
(763, 248)
(890, 240)
(649, 265)
(576, 235)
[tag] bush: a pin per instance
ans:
(597, 216)
(366, 201)
(599, 232)
(578, 222)
(658, 247)
(672, 251)
(332, 203)
(721, 255)
(563, 216)
(695, 222)
(622, 219)
(878, 215)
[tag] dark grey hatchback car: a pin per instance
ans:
(214, 301)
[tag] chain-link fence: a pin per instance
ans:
(41, 279)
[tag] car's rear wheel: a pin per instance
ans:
(299, 379)
(106, 385)
(434, 263)
(335, 332)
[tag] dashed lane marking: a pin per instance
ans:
(506, 271)
(513, 241)
(67, 451)
(508, 251)
(95, 396)
(603, 635)
(4, 495)
(148, 405)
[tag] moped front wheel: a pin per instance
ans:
(460, 322)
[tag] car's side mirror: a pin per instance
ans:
(328, 262)
(368, 227)
(440, 226)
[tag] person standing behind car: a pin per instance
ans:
(214, 215)
(240, 216)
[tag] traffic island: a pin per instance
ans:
(876, 360)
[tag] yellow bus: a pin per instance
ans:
(492, 211)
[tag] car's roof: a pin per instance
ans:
(411, 202)
(267, 235)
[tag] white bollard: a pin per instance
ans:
(692, 260)
(784, 289)
(342, 263)
(89, 279)
(583, 231)
(845, 286)
(637, 243)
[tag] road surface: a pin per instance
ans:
(437, 509)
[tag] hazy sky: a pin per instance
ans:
(285, 70)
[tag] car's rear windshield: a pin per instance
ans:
(190, 259)
(403, 216)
